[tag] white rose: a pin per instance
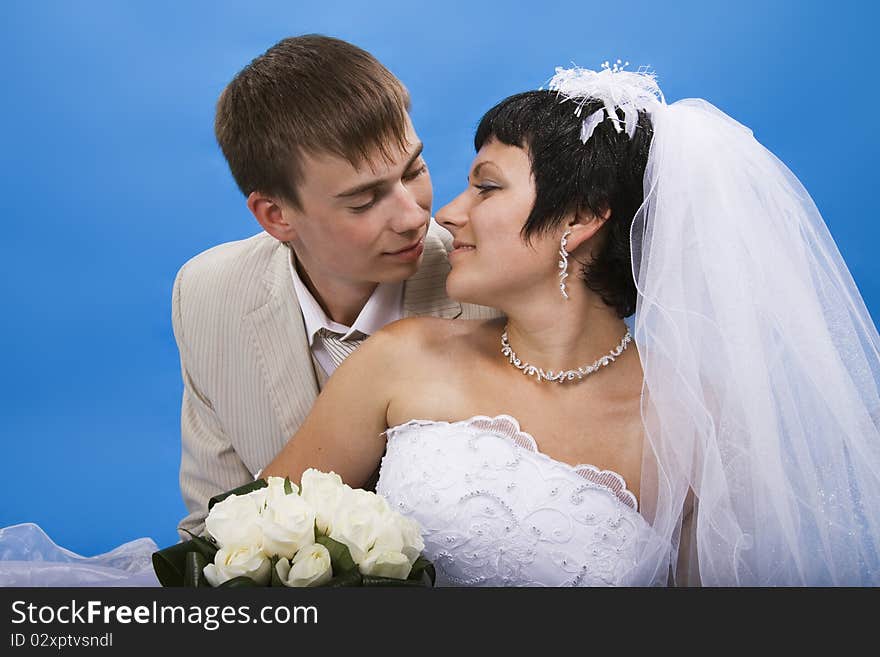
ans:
(361, 518)
(249, 561)
(368, 499)
(323, 492)
(389, 538)
(395, 532)
(234, 522)
(310, 567)
(411, 532)
(384, 563)
(275, 488)
(287, 523)
(258, 497)
(400, 534)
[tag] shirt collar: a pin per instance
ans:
(384, 306)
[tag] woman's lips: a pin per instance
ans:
(462, 248)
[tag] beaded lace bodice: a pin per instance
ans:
(495, 511)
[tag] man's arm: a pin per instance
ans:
(208, 463)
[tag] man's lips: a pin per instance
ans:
(411, 247)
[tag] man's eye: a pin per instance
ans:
(485, 189)
(364, 207)
(415, 174)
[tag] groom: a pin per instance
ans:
(318, 137)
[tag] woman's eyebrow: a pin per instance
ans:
(476, 171)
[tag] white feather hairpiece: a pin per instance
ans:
(617, 88)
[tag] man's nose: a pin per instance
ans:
(408, 215)
(453, 215)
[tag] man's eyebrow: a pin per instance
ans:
(372, 184)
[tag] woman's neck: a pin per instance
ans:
(559, 334)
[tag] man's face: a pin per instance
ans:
(365, 224)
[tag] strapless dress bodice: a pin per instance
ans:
(496, 511)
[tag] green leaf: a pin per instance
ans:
(207, 547)
(257, 484)
(239, 582)
(194, 575)
(340, 556)
(288, 486)
(276, 580)
(170, 564)
(350, 578)
(428, 577)
(423, 571)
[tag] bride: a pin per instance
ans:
(730, 437)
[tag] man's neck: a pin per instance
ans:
(342, 301)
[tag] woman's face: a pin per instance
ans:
(490, 261)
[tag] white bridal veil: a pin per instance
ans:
(28, 557)
(760, 360)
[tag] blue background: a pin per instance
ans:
(111, 180)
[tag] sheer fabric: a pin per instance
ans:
(28, 557)
(761, 367)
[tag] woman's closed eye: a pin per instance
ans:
(485, 188)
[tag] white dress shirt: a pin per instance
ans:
(384, 306)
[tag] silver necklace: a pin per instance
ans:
(566, 375)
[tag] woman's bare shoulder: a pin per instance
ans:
(435, 332)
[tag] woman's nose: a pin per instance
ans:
(453, 215)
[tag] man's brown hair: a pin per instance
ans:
(307, 94)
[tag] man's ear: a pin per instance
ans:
(584, 225)
(274, 217)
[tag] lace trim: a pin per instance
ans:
(508, 427)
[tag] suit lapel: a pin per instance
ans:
(282, 347)
(424, 293)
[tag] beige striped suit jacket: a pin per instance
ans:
(248, 374)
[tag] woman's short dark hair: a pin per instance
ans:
(604, 174)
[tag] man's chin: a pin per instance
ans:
(399, 272)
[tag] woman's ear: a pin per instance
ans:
(274, 217)
(584, 226)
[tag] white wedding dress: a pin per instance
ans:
(495, 511)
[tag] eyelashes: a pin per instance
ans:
(482, 190)
(415, 174)
(364, 207)
(409, 177)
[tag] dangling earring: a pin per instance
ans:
(563, 263)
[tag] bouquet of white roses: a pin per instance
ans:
(272, 532)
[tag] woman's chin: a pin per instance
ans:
(469, 293)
